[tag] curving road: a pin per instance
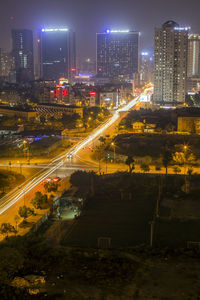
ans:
(21, 191)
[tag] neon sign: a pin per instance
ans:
(54, 29)
(182, 28)
(117, 31)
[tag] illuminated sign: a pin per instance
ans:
(92, 93)
(54, 29)
(117, 31)
(85, 75)
(182, 28)
(73, 69)
(63, 80)
(57, 92)
(65, 92)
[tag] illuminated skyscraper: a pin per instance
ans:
(170, 63)
(118, 53)
(193, 55)
(6, 63)
(22, 51)
(146, 68)
(57, 52)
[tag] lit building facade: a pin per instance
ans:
(193, 55)
(22, 51)
(6, 63)
(170, 63)
(118, 53)
(146, 68)
(57, 53)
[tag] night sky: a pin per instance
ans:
(87, 17)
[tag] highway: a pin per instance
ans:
(60, 161)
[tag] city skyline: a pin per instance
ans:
(86, 19)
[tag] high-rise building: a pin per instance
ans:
(57, 53)
(87, 66)
(6, 63)
(170, 63)
(118, 53)
(22, 51)
(193, 55)
(146, 68)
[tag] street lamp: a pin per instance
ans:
(185, 148)
(113, 144)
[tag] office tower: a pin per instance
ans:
(118, 53)
(6, 63)
(22, 51)
(170, 63)
(146, 68)
(57, 53)
(87, 66)
(193, 55)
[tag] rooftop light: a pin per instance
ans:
(54, 29)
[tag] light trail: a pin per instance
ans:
(10, 199)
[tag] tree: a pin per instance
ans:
(169, 127)
(157, 167)
(10, 263)
(42, 119)
(69, 121)
(25, 212)
(17, 218)
(179, 158)
(102, 139)
(51, 187)
(184, 158)
(190, 172)
(39, 200)
(80, 178)
(193, 127)
(144, 167)
(166, 158)
(176, 170)
(4, 181)
(7, 228)
(131, 163)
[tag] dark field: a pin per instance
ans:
(153, 144)
(123, 206)
(122, 216)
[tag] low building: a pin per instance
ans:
(138, 127)
(189, 124)
(57, 109)
(150, 128)
(109, 99)
(193, 85)
(16, 112)
(11, 97)
(7, 130)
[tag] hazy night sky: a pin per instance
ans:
(87, 17)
